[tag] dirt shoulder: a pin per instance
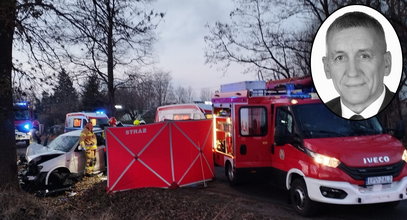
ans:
(89, 199)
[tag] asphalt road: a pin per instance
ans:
(264, 191)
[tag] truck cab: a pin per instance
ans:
(78, 120)
(306, 149)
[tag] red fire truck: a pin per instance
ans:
(23, 118)
(281, 128)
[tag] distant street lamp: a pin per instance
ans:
(118, 107)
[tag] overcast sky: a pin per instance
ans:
(180, 45)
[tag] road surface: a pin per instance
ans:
(266, 192)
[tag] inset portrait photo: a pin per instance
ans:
(356, 62)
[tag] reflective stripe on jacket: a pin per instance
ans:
(88, 139)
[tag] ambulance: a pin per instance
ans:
(177, 112)
(282, 129)
(78, 120)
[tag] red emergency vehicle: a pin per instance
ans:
(23, 119)
(307, 149)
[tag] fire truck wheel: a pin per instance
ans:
(231, 174)
(302, 204)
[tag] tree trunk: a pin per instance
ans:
(110, 65)
(8, 154)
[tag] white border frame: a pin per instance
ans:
(324, 86)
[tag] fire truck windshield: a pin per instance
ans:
(22, 114)
(317, 121)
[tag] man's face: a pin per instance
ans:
(357, 63)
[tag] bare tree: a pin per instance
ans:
(143, 93)
(109, 34)
(254, 38)
(162, 87)
(183, 95)
(206, 94)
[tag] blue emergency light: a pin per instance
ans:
(100, 112)
(290, 87)
(27, 126)
(21, 103)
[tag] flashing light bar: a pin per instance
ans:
(300, 95)
(100, 112)
(22, 103)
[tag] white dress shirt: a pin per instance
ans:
(370, 111)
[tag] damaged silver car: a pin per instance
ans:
(59, 164)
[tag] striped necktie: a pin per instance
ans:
(357, 117)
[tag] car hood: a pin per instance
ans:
(360, 151)
(36, 150)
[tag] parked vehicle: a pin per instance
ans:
(183, 112)
(78, 120)
(307, 149)
(23, 119)
(56, 165)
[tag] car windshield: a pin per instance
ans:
(101, 121)
(63, 143)
(317, 121)
(21, 114)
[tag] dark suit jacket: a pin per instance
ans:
(335, 104)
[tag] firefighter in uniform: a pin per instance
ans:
(112, 122)
(89, 143)
(35, 133)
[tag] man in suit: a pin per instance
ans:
(357, 60)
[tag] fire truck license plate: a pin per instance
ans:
(374, 180)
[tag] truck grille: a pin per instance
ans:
(361, 173)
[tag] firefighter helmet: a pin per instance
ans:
(112, 121)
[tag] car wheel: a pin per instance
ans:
(231, 174)
(302, 204)
(57, 179)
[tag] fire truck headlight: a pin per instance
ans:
(404, 157)
(324, 160)
(27, 126)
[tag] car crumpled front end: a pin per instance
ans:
(31, 177)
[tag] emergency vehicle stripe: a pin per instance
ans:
(124, 146)
(189, 139)
(152, 139)
(149, 168)
(171, 155)
(190, 166)
(122, 174)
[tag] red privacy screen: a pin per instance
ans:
(168, 154)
